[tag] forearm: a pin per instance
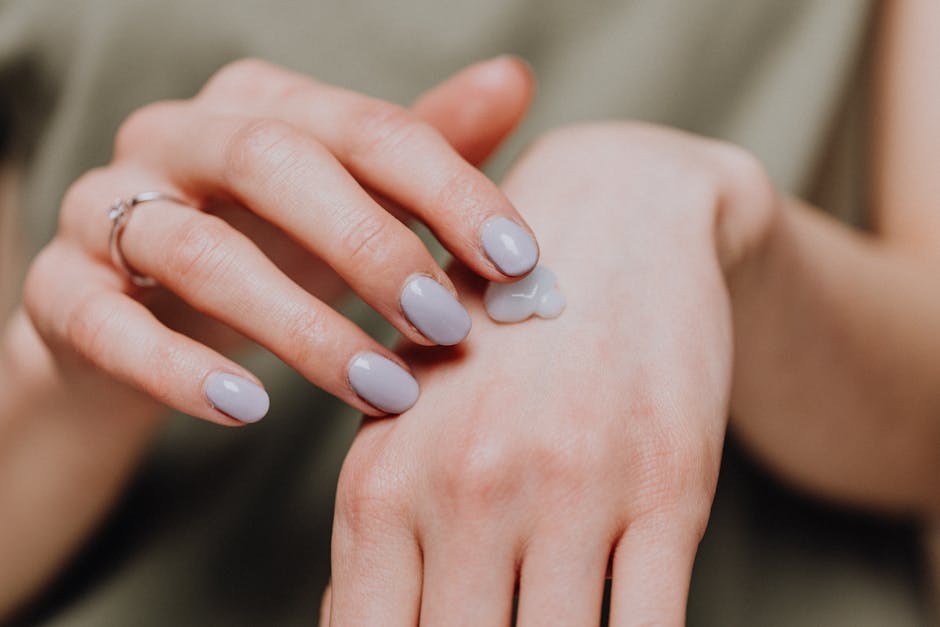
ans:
(837, 375)
(66, 449)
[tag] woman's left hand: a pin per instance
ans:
(539, 450)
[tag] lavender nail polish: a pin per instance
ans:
(434, 311)
(237, 397)
(382, 383)
(509, 247)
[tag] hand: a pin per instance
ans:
(539, 450)
(299, 184)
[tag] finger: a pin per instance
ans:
(374, 586)
(288, 178)
(393, 152)
(473, 110)
(562, 579)
(76, 302)
(376, 561)
(651, 572)
(222, 274)
(468, 580)
(476, 109)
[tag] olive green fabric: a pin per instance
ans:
(231, 527)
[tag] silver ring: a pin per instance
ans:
(120, 213)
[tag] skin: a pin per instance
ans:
(259, 130)
(685, 236)
(624, 462)
(58, 403)
(834, 343)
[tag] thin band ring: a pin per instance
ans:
(120, 213)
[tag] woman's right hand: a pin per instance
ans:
(295, 187)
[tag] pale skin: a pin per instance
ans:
(62, 403)
(716, 292)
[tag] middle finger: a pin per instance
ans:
(395, 153)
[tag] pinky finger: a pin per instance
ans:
(76, 303)
(651, 572)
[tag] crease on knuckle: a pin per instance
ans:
(168, 359)
(304, 333)
(463, 196)
(363, 235)
(368, 497)
(671, 475)
(202, 251)
(382, 128)
(85, 326)
(260, 153)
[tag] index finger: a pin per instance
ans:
(393, 152)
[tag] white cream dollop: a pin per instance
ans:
(535, 294)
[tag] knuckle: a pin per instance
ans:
(367, 495)
(364, 236)
(141, 126)
(260, 150)
(382, 127)
(305, 332)
(673, 474)
(569, 464)
(462, 193)
(202, 250)
(676, 529)
(477, 475)
(86, 323)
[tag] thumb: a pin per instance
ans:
(479, 106)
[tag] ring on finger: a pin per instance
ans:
(120, 214)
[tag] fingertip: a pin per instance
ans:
(382, 383)
(476, 108)
(503, 72)
(511, 247)
(237, 397)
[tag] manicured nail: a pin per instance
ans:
(434, 311)
(510, 247)
(382, 383)
(239, 398)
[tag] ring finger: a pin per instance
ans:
(223, 274)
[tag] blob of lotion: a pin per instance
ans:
(535, 294)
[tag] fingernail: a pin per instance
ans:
(238, 397)
(382, 383)
(434, 311)
(510, 247)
